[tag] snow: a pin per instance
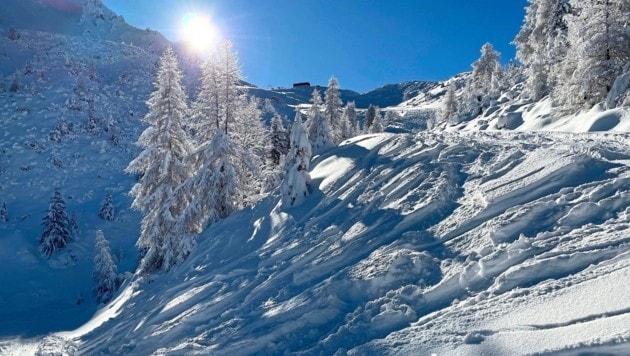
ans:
(506, 234)
(445, 243)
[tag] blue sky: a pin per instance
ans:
(364, 43)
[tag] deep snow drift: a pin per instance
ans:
(448, 243)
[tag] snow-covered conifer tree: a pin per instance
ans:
(164, 144)
(322, 139)
(332, 109)
(56, 234)
(15, 83)
(206, 110)
(450, 104)
(370, 114)
(107, 208)
(484, 85)
(542, 44)
(377, 123)
(313, 111)
(295, 185)
(279, 140)
(4, 212)
(600, 51)
(319, 131)
(104, 273)
(350, 114)
(229, 84)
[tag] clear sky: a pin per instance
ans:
(364, 43)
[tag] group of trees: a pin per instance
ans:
(203, 161)
(58, 233)
(571, 51)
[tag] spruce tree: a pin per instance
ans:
(450, 104)
(377, 123)
(56, 234)
(279, 140)
(370, 115)
(484, 84)
(160, 164)
(295, 185)
(350, 118)
(4, 212)
(332, 110)
(104, 274)
(107, 208)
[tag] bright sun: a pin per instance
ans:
(199, 32)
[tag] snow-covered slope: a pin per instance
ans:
(71, 125)
(446, 243)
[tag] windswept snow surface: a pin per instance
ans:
(445, 243)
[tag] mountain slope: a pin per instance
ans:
(448, 243)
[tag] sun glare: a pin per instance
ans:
(199, 32)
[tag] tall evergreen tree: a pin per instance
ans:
(332, 109)
(295, 185)
(57, 226)
(225, 173)
(160, 164)
(105, 272)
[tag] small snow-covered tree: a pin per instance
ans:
(332, 110)
(160, 164)
(319, 131)
(279, 140)
(107, 208)
(57, 226)
(15, 83)
(322, 139)
(295, 185)
(450, 104)
(313, 111)
(377, 124)
(484, 84)
(370, 114)
(105, 272)
(4, 212)
(350, 115)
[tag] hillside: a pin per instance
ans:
(446, 243)
(504, 233)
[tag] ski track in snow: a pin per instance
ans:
(434, 243)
